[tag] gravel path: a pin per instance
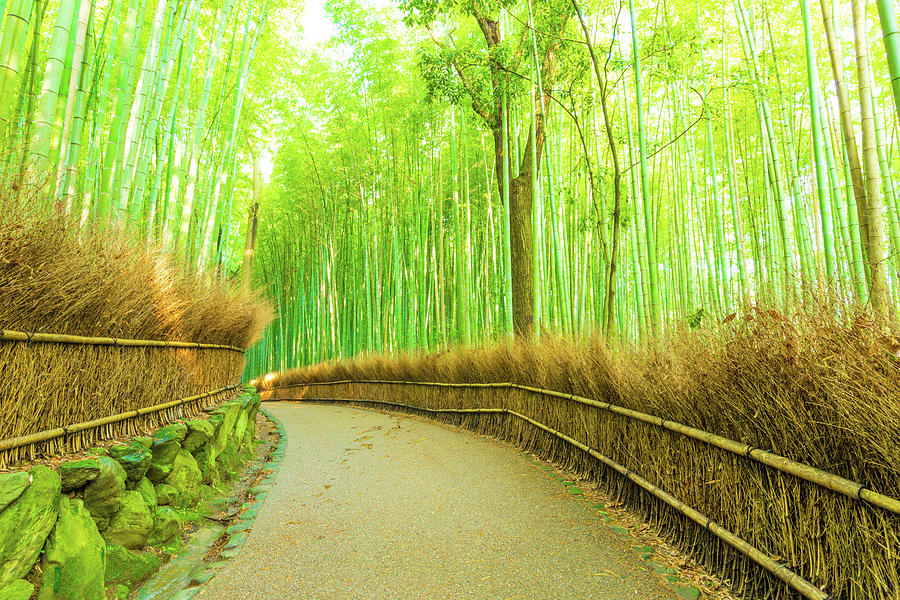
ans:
(372, 506)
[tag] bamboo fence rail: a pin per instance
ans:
(831, 481)
(789, 577)
(50, 434)
(7, 335)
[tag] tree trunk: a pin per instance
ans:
(252, 220)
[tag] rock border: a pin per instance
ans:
(240, 528)
(77, 533)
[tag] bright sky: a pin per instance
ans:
(317, 26)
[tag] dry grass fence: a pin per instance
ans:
(50, 385)
(811, 388)
(60, 284)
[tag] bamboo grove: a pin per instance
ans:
(454, 172)
(130, 112)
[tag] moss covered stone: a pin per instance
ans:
(145, 441)
(103, 496)
(186, 479)
(135, 461)
(17, 590)
(164, 452)
(173, 431)
(165, 494)
(216, 419)
(206, 460)
(124, 567)
(74, 557)
(131, 526)
(200, 432)
(166, 526)
(229, 411)
(228, 461)
(148, 492)
(26, 522)
(240, 427)
(78, 473)
(250, 434)
(11, 487)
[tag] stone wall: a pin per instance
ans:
(79, 533)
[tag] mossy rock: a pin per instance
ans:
(103, 496)
(164, 453)
(26, 522)
(117, 450)
(250, 433)
(230, 412)
(74, 557)
(207, 492)
(131, 526)
(216, 420)
(124, 567)
(165, 494)
(148, 492)
(206, 460)
(78, 473)
(135, 463)
(200, 432)
(240, 427)
(166, 526)
(228, 462)
(11, 487)
(17, 590)
(145, 441)
(173, 431)
(185, 478)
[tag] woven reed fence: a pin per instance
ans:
(63, 392)
(774, 527)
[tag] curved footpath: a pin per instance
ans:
(372, 506)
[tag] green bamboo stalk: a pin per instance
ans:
(507, 247)
(887, 15)
(45, 119)
(12, 43)
(812, 82)
(649, 222)
(110, 163)
(182, 241)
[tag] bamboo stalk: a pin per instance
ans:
(7, 335)
(831, 481)
(802, 586)
(50, 434)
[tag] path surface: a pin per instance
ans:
(371, 506)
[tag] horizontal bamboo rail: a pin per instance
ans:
(49, 434)
(7, 335)
(831, 481)
(796, 582)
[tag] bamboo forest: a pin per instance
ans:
(651, 246)
(442, 173)
(450, 172)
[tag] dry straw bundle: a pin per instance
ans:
(57, 279)
(813, 388)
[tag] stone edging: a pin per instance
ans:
(240, 528)
(85, 525)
